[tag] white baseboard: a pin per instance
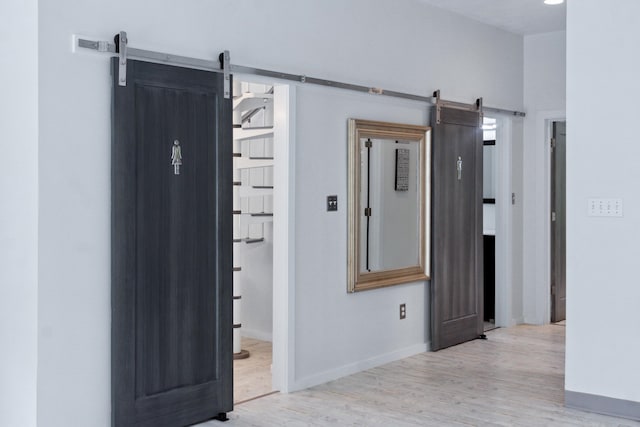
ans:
(602, 405)
(256, 335)
(530, 321)
(352, 368)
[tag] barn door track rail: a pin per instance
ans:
(120, 47)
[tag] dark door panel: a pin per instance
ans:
(558, 223)
(171, 247)
(456, 282)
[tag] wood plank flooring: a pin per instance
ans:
(515, 378)
(252, 376)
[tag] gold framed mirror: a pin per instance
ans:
(388, 206)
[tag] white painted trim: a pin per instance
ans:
(602, 405)
(360, 366)
(504, 223)
(284, 238)
(542, 267)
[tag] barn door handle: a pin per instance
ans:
(459, 168)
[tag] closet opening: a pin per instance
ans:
(489, 157)
(262, 204)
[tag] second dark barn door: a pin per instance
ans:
(456, 281)
(171, 247)
(558, 222)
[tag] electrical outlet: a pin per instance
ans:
(403, 311)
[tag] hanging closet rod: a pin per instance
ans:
(167, 58)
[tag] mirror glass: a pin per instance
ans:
(389, 193)
(388, 190)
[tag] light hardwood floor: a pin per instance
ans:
(252, 376)
(515, 378)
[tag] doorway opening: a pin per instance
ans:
(253, 239)
(499, 133)
(263, 227)
(489, 126)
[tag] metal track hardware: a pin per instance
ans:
(480, 110)
(223, 65)
(226, 68)
(122, 51)
(476, 106)
(436, 95)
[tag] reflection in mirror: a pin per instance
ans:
(389, 193)
(388, 201)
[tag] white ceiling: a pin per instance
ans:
(517, 16)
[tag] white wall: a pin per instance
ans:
(602, 266)
(544, 98)
(401, 45)
(337, 332)
(256, 284)
(19, 212)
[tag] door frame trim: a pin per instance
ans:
(284, 226)
(540, 202)
(504, 222)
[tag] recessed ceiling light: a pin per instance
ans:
(553, 1)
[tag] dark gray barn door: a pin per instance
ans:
(456, 280)
(171, 247)
(558, 223)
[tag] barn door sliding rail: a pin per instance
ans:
(121, 48)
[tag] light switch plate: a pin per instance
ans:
(605, 207)
(332, 203)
